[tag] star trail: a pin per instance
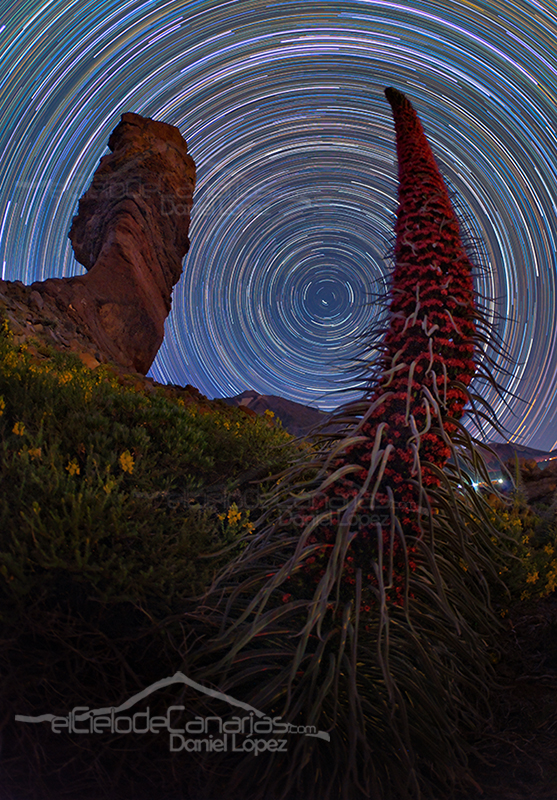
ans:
(283, 110)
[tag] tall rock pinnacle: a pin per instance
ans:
(131, 234)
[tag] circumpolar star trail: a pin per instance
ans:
(283, 110)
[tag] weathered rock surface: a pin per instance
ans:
(131, 234)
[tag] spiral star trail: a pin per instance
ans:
(283, 110)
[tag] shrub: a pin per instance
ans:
(109, 528)
(531, 573)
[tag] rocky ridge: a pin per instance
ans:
(296, 418)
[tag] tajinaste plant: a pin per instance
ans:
(361, 604)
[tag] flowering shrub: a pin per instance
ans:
(532, 572)
(108, 527)
(85, 457)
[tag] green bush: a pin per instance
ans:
(118, 505)
(532, 571)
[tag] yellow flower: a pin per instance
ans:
(18, 429)
(233, 514)
(10, 360)
(126, 461)
(532, 577)
(551, 581)
(270, 414)
(549, 549)
(35, 452)
(2, 405)
(73, 467)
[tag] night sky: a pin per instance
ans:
(283, 110)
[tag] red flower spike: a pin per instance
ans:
(429, 346)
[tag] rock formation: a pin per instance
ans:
(131, 234)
